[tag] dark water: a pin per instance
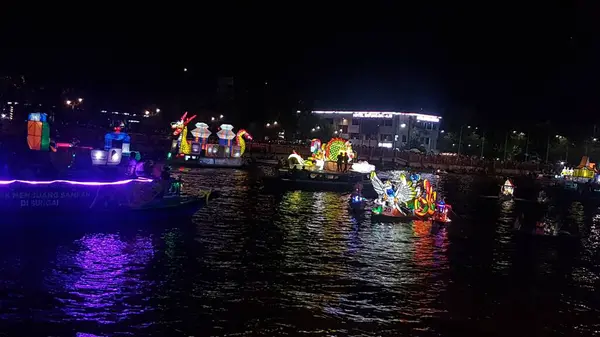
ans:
(296, 263)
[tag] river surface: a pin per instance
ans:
(296, 263)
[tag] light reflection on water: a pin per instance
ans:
(100, 277)
(298, 262)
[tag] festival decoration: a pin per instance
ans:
(585, 169)
(315, 145)
(201, 133)
(508, 189)
(405, 199)
(295, 159)
(117, 135)
(225, 134)
(38, 132)
(405, 191)
(337, 145)
(567, 172)
(180, 131)
(363, 167)
(240, 140)
(424, 204)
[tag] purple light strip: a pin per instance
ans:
(84, 183)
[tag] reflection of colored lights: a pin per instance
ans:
(103, 272)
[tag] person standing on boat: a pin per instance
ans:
(345, 158)
(340, 158)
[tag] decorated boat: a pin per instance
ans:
(507, 191)
(198, 152)
(114, 198)
(110, 195)
(323, 170)
(410, 198)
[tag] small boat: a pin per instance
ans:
(357, 202)
(507, 191)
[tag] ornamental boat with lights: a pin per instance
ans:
(106, 190)
(323, 169)
(507, 191)
(409, 199)
(197, 152)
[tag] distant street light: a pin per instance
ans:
(275, 123)
(268, 124)
(146, 112)
(212, 118)
(184, 69)
(72, 104)
(313, 130)
(221, 116)
(157, 110)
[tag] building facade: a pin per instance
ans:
(397, 130)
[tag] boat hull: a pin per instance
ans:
(61, 201)
(210, 162)
(391, 218)
(320, 181)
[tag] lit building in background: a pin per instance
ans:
(402, 130)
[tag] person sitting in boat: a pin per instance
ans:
(357, 201)
(441, 211)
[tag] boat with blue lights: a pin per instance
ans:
(109, 181)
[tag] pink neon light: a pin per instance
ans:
(84, 183)
(71, 145)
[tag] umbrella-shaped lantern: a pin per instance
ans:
(226, 134)
(201, 132)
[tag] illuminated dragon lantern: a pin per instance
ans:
(239, 137)
(180, 131)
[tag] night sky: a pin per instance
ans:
(486, 65)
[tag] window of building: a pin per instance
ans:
(426, 141)
(387, 122)
(344, 128)
(354, 136)
(403, 138)
(385, 137)
(355, 121)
